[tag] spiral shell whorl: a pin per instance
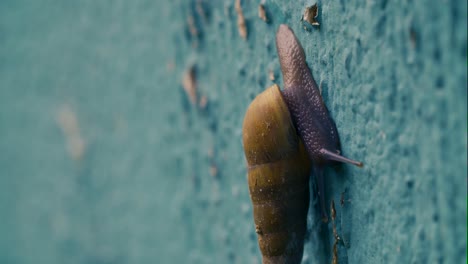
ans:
(278, 176)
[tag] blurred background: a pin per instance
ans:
(121, 128)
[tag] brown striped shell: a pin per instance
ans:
(278, 177)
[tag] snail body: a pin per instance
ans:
(308, 111)
(286, 135)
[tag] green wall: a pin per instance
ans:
(105, 160)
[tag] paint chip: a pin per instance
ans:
(203, 102)
(68, 122)
(213, 170)
(241, 25)
(191, 26)
(189, 83)
(335, 233)
(271, 75)
(310, 16)
(262, 13)
(200, 9)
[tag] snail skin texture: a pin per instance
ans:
(286, 135)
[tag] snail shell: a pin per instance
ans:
(278, 177)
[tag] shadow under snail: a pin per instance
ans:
(286, 135)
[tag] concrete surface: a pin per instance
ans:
(104, 159)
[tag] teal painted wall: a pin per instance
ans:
(105, 160)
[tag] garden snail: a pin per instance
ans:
(286, 135)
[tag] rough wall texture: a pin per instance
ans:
(105, 160)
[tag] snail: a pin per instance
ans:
(286, 136)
